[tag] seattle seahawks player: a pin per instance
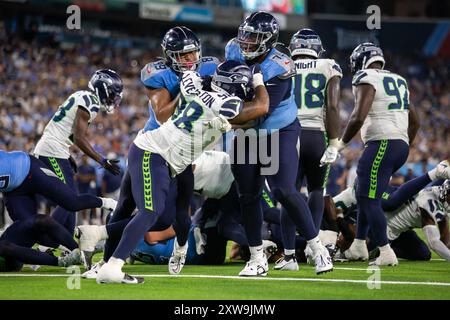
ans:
(425, 209)
(388, 124)
(256, 45)
(316, 91)
(182, 52)
(198, 122)
(69, 126)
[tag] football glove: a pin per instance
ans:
(219, 123)
(332, 152)
(111, 165)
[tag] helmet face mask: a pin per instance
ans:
(257, 34)
(108, 87)
(444, 195)
(364, 55)
(177, 45)
(233, 78)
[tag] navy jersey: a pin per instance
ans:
(156, 75)
(14, 168)
(277, 69)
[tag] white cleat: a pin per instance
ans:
(309, 255)
(255, 268)
(178, 258)
(111, 274)
(92, 273)
(388, 258)
(269, 248)
(357, 251)
(73, 258)
(109, 204)
(442, 170)
(323, 261)
(88, 237)
(286, 263)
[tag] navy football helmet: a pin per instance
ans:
(306, 42)
(178, 41)
(258, 34)
(233, 77)
(108, 87)
(365, 54)
(444, 191)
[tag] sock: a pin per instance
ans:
(315, 245)
(103, 232)
(385, 249)
(289, 252)
(256, 252)
(359, 242)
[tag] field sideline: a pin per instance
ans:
(409, 280)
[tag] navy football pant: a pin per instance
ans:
(64, 171)
(378, 162)
(149, 179)
(21, 203)
(282, 184)
(17, 240)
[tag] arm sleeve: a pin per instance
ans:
(433, 236)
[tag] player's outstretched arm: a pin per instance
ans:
(332, 107)
(162, 103)
(364, 95)
(79, 139)
(254, 109)
(433, 236)
(413, 123)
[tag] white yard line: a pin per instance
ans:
(245, 278)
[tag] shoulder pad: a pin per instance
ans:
(334, 65)
(278, 65)
(231, 106)
(151, 69)
(87, 101)
(210, 59)
(360, 76)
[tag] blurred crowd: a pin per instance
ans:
(36, 77)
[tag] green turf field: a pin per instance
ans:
(409, 280)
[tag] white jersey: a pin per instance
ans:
(409, 215)
(388, 116)
(212, 174)
(58, 134)
(182, 139)
(310, 85)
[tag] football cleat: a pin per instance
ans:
(109, 273)
(92, 273)
(309, 255)
(73, 258)
(269, 248)
(357, 251)
(388, 258)
(323, 261)
(255, 268)
(178, 258)
(286, 263)
(442, 170)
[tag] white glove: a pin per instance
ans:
(200, 241)
(191, 83)
(219, 123)
(332, 152)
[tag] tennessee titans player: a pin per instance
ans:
(316, 92)
(69, 126)
(388, 124)
(182, 52)
(256, 45)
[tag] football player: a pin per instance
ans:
(198, 122)
(69, 127)
(388, 124)
(182, 52)
(256, 45)
(316, 92)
